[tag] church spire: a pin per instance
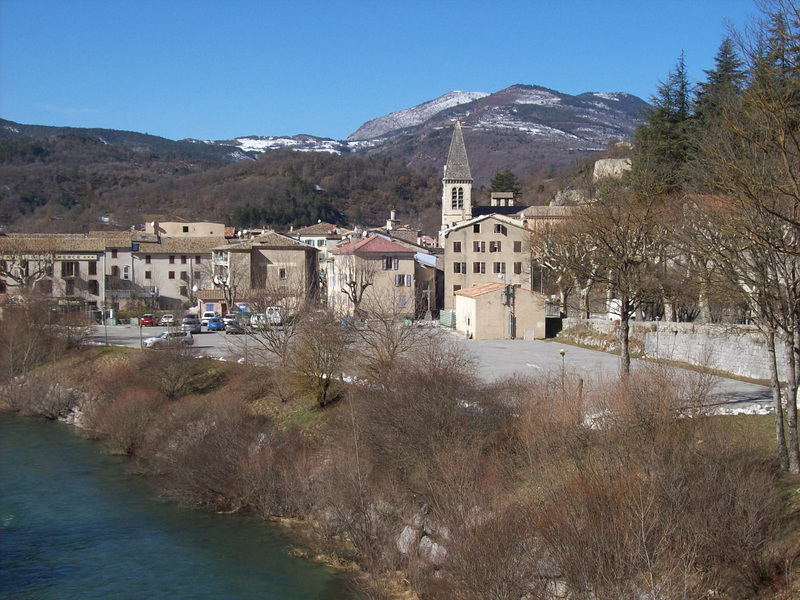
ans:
(457, 183)
(457, 166)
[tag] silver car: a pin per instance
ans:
(170, 339)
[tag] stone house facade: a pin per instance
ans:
(373, 275)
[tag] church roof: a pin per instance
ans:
(457, 166)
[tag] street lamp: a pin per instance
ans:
(563, 354)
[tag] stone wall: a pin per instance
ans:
(736, 349)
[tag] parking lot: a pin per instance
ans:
(495, 358)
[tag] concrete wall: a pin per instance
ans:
(736, 349)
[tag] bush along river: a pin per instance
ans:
(73, 524)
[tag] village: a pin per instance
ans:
(477, 277)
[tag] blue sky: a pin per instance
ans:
(218, 69)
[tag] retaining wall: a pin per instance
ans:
(736, 349)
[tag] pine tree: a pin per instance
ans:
(667, 144)
(505, 181)
(726, 80)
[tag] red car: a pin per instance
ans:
(147, 320)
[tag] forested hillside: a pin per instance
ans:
(67, 182)
(73, 183)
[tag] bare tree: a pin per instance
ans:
(354, 276)
(619, 231)
(750, 158)
(26, 267)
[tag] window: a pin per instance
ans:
(92, 268)
(69, 269)
(476, 228)
(398, 280)
(114, 253)
(197, 275)
(184, 290)
(183, 259)
(386, 262)
(148, 274)
(171, 260)
(456, 246)
(495, 246)
(93, 288)
(184, 276)
(395, 263)
(498, 228)
(282, 273)
(478, 246)
(517, 246)
(478, 267)
(454, 199)
(408, 280)
(185, 229)
(147, 259)
(115, 271)
(126, 272)
(517, 268)
(171, 275)
(498, 268)
(459, 267)
(197, 259)
(456, 288)
(69, 287)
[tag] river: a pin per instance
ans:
(73, 524)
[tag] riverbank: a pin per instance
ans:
(441, 485)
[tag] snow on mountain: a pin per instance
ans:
(537, 96)
(411, 117)
(302, 143)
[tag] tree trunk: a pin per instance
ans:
(791, 407)
(669, 311)
(624, 338)
(783, 454)
(704, 310)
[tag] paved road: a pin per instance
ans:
(499, 358)
(496, 358)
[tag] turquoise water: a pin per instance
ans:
(73, 524)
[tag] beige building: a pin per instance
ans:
(185, 229)
(271, 269)
(113, 269)
(491, 248)
(494, 311)
(68, 268)
(373, 275)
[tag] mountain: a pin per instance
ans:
(59, 178)
(521, 128)
(411, 117)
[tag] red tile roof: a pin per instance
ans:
(375, 244)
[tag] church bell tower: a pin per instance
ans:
(457, 183)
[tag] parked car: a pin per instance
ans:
(235, 326)
(167, 320)
(209, 314)
(273, 315)
(214, 324)
(169, 339)
(191, 324)
(147, 320)
(229, 318)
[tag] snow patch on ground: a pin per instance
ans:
(613, 97)
(539, 97)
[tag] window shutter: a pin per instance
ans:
(395, 263)
(408, 280)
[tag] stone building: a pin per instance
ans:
(373, 275)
